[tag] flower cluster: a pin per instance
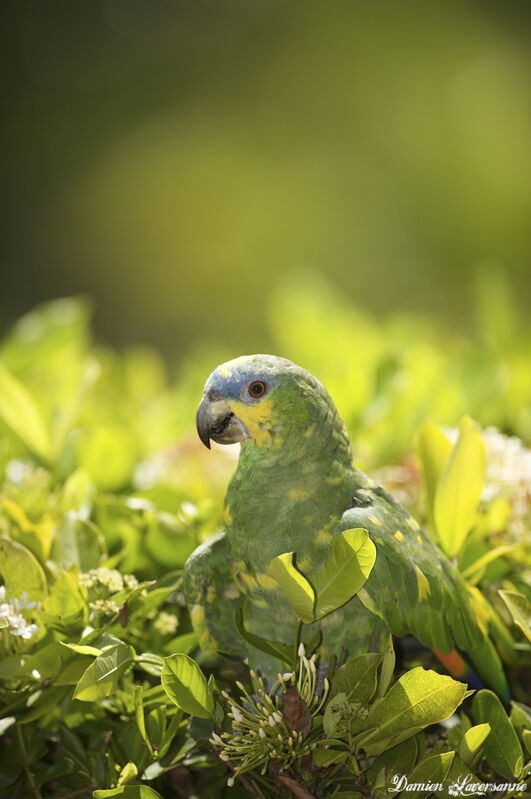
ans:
(508, 470)
(107, 578)
(166, 623)
(104, 606)
(259, 733)
(11, 611)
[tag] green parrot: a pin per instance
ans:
(295, 488)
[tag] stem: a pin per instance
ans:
(25, 763)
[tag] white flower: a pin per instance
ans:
(166, 623)
(130, 581)
(261, 733)
(230, 782)
(301, 651)
(287, 675)
(236, 715)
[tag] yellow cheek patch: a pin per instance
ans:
(399, 536)
(376, 521)
(423, 584)
(257, 419)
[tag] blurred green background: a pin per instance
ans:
(180, 163)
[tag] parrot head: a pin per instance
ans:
(263, 398)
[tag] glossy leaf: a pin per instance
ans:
(418, 699)
(102, 676)
(433, 769)
(128, 792)
(471, 743)
(459, 488)
(280, 651)
(295, 586)
(350, 562)
(520, 609)
(77, 542)
(21, 571)
(357, 678)
(433, 451)
(387, 667)
(502, 747)
(21, 412)
(186, 686)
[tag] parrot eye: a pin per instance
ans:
(257, 388)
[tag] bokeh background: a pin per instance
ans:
(185, 164)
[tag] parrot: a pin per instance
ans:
(295, 488)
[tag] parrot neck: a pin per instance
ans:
(288, 497)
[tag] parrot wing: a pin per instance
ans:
(415, 589)
(213, 597)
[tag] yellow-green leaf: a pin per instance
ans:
(350, 562)
(419, 698)
(459, 488)
(21, 413)
(295, 586)
(502, 747)
(433, 769)
(102, 676)
(520, 609)
(186, 686)
(471, 742)
(21, 571)
(433, 451)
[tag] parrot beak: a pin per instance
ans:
(215, 420)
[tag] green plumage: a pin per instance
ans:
(295, 487)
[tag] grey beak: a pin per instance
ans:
(203, 419)
(214, 420)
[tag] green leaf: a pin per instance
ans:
(333, 723)
(460, 488)
(127, 774)
(21, 413)
(350, 562)
(502, 747)
(186, 686)
(399, 759)
(520, 718)
(327, 757)
(433, 769)
(77, 542)
(418, 699)
(295, 586)
(281, 651)
(474, 572)
(64, 598)
(21, 571)
(102, 676)
(520, 609)
(128, 792)
(357, 678)
(387, 668)
(527, 740)
(433, 452)
(471, 743)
